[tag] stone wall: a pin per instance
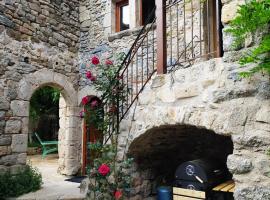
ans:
(39, 41)
(208, 95)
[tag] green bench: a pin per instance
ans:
(47, 146)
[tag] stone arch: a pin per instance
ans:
(70, 139)
(159, 150)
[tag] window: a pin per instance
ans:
(147, 7)
(122, 15)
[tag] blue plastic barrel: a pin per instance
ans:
(164, 193)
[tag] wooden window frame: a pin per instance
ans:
(118, 6)
(214, 31)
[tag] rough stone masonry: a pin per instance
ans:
(39, 41)
(208, 95)
(47, 42)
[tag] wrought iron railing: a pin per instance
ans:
(192, 34)
(192, 31)
(136, 70)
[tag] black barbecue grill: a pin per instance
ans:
(201, 175)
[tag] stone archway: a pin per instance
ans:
(70, 132)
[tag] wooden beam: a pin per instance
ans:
(161, 37)
(84, 148)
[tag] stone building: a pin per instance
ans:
(200, 107)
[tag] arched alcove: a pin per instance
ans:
(159, 151)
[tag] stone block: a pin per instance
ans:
(229, 10)
(166, 95)
(4, 150)
(25, 90)
(85, 15)
(72, 134)
(186, 91)
(25, 125)
(71, 152)
(59, 37)
(239, 164)
(263, 115)
(4, 104)
(13, 126)
(19, 143)
(146, 97)
(6, 21)
(72, 166)
(22, 158)
(2, 126)
(158, 81)
(208, 82)
(5, 140)
(254, 192)
(20, 108)
(8, 160)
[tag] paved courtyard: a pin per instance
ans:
(54, 185)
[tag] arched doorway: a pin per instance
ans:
(159, 151)
(69, 137)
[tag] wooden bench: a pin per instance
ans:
(185, 194)
(47, 146)
(228, 186)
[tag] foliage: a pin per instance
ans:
(44, 101)
(118, 179)
(27, 180)
(111, 178)
(253, 17)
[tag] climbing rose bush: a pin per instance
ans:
(109, 177)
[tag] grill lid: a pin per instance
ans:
(201, 170)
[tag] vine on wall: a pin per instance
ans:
(253, 19)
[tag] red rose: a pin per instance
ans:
(104, 169)
(95, 60)
(118, 194)
(85, 100)
(94, 104)
(88, 75)
(108, 62)
(93, 78)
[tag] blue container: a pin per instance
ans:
(164, 193)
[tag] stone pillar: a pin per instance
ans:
(69, 139)
(61, 133)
